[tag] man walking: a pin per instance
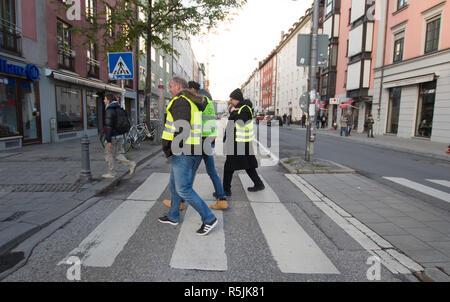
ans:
(209, 134)
(349, 123)
(117, 124)
(185, 109)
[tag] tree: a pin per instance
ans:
(156, 21)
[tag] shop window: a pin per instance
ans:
(30, 114)
(425, 109)
(69, 109)
(91, 109)
(10, 36)
(393, 110)
(9, 123)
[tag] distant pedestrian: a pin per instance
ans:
(289, 119)
(303, 120)
(344, 124)
(318, 122)
(448, 150)
(324, 121)
(350, 124)
(284, 118)
(370, 122)
(116, 124)
(241, 158)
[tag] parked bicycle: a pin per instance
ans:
(137, 135)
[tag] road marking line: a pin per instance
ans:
(195, 252)
(421, 188)
(444, 183)
(303, 188)
(394, 261)
(152, 188)
(267, 195)
(102, 246)
(293, 249)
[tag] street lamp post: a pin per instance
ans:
(312, 77)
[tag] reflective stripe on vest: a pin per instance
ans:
(245, 134)
(209, 122)
(195, 134)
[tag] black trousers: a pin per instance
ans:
(228, 177)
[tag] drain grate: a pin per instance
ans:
(42, 188)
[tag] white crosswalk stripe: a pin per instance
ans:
(421, 188)
(444, 183)
(292, 248)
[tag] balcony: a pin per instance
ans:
(10, 37)
(66, 57)
(93, 68)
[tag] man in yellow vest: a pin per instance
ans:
(184, 120)
(209, 134)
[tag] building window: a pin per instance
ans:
(333, 55)
(393, 110)
(93, 64)
(108, 11)
(91, 109)
(10, 36)
(69, 109)
(9, 122)
(425, 109)
(64, 40)
(401, 4)
(432, 35)
(398, 49)
(91, 10)
(329, 7)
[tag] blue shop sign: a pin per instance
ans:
(30, 71)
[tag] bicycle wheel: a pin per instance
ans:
(127, 143)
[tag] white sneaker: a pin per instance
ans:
(108, 175)
(133, 169)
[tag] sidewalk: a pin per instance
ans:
(39, 184)
(416, 146)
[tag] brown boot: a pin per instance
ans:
(168, 203)
(221, 204)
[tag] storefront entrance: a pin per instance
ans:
(20, 110)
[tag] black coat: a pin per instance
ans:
(110, 120)
(245, 161)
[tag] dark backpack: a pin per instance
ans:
(122, 124)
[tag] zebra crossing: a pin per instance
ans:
(290, 245)
(439, 194)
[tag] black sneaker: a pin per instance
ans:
(228, 193)
(256, 188)
(206, 228)
(166, 219)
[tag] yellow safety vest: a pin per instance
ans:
(245, 134)
(209, 120)
(195, 135)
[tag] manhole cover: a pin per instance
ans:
(42, 188)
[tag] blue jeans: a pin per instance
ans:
(181, 186)
(344, 129)
(212, 172)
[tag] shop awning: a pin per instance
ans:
(346, 104)
(322, 105)
(85, 82)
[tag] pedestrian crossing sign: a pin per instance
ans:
(120, 66)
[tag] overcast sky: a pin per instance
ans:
(235, 49)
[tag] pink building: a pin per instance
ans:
(412, 76)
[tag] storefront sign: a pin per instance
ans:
(334, 102)
(30, 72)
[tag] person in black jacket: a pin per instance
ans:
(114, 139)
(235, 160)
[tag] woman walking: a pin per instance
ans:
(241, 157)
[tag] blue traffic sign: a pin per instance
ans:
(120, 65)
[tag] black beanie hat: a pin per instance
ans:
(194, 85)
(237, 95)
